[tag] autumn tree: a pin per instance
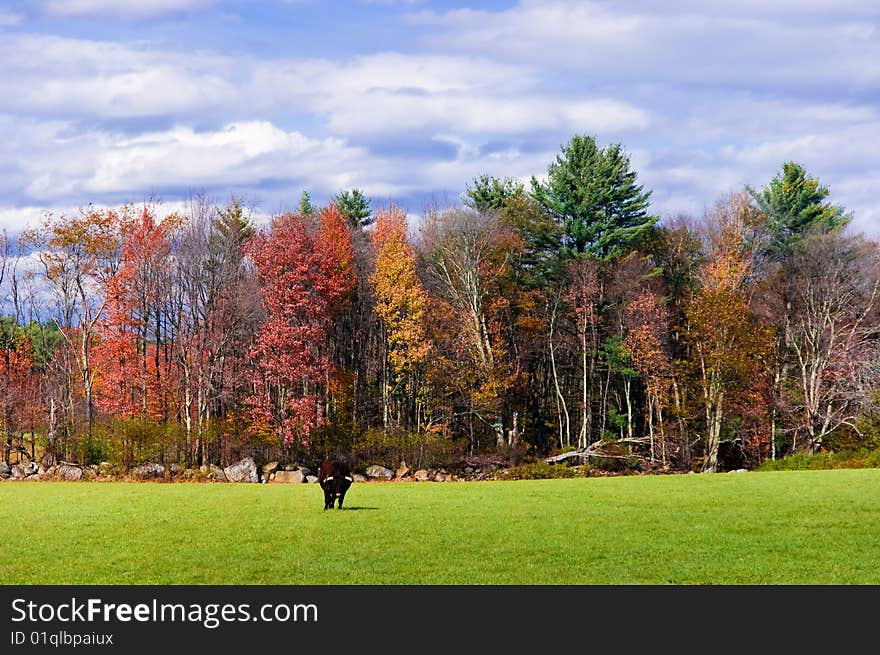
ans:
(461, 249)
(214, 316)
(647, 339)
(130, 333)
(727, 345)
(400, 304)
(583, 293)
(78, 255)
(19, 396)
(832, 285)
(465, 258)
(304, 266)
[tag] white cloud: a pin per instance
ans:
(706, 98)
(469, 114)
(842, 157)
(70, 77)
(252, 151)
(691, 43)
(54, 165)
(368, 95)
(14, 219)
(390, 93)
(58, 167)
(122, 9)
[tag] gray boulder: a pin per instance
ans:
(269, 468)
(148, 472)
(69, 472)
(359, 478)
(311, 478)
(5, 470)
(289, 477)
(376, 471)
(422, 475)
(216, 473)
(242, 471)
(402, 470)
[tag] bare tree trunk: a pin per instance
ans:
(714, 416)
(513, 433)
(385, 399)
(627, 390)
(583, 438)
(560, 399)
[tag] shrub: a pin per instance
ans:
(538, 471)
(419, 450)
(844, 459)
(619, 459)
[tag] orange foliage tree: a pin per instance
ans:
(400, 304)
(728, 346)
(131, 381)
(304, 265)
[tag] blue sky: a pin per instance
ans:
(108, 102)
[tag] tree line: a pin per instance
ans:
(532, 319)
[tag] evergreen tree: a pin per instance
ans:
(354, 207)
(488, 193)
(794, 205)
(230, 230)
(305, 204)
(592, 194)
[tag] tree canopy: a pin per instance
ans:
(592, 193)
(794, 204)
(354, 207)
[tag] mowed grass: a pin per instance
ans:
(793, 527)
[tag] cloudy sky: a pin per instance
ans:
(108, 101)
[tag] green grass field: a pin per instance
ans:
(798, 527)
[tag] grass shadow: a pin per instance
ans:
(356, 508)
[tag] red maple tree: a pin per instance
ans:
(304, 265)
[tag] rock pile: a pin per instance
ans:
(245, 470)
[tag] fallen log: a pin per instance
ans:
(595, 449)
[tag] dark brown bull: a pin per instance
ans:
(335, 478)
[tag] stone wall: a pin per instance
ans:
(244, 471)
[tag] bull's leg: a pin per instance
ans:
(328, 499)
(344, 484)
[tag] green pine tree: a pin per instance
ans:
(592, 194)
(794, 205)
(488, 193)
(355, 207)
(305, 204)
